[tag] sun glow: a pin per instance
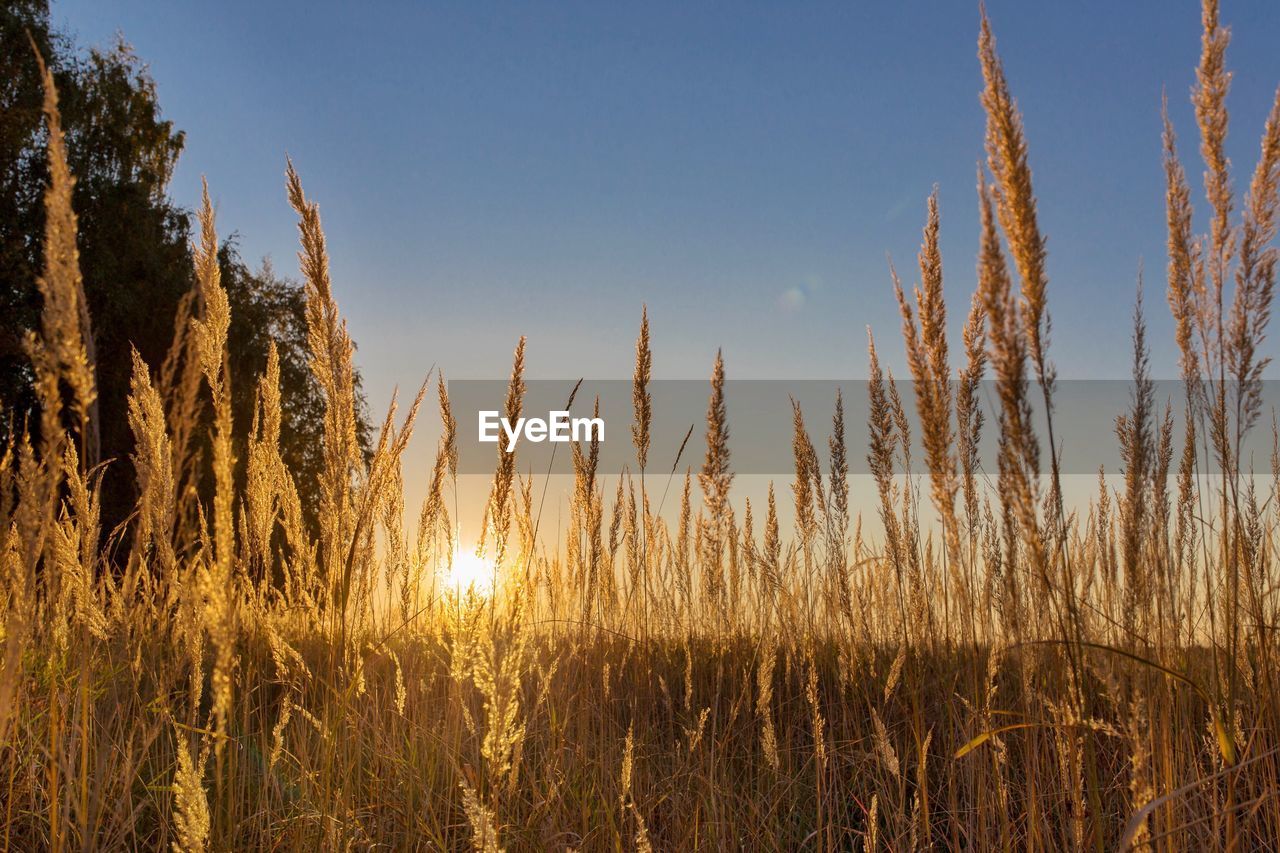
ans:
(469, 573)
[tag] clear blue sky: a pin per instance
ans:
(491, 170)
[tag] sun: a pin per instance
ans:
(469, 573)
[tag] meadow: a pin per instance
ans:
(975, 664)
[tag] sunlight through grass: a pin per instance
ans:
(469, 574)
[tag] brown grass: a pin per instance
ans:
(1023, 674)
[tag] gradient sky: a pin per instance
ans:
(491, 170)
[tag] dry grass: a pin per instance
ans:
(1022, 674)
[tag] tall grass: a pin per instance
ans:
(1021, 674)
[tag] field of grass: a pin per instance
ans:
(976, 664)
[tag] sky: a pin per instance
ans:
(746, 170)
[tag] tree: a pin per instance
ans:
(133, 241)
(135, 252)
(22, 181)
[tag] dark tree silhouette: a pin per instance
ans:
(135, 253)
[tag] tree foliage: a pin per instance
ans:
(135, 246)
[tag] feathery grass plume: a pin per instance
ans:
(1184, 535)
(484, 832)
(498, 508)
(710, 551)
(1019, 451)
(178, 383)
(74, 555)
(931, 372)
(683, 568)
(716, 476)
(63, 352)
(641, 399)
(587, 511)
(291, 668)
(1246, 333)
(261, 467)
(210, 331)
(969, 417)
(497, 674)
(641, 839)
(910, 526)
(381, 479)
(272, 495)
(771, 566)
(277, 733)
(901, 425)
(190, 805)
(880, 460)
(884, 749)
(695, 733)
(1137, 452)
(895, 672)
(1103, 538)
(619, 512)
(449, 434)
(808, 480)
(1016, 203)
(628, 765)
(1210, 100)
(433, 520)
(1228, 347)
(1141, 783)
(817, 721)
(642, 403)
(21, 501)
(331, 350)
(764, 704)
(1185, 278)
(927, 359)
(1255, 278)
(153, 462)
(969, 422)
(747, 548)
(397, 566)
(627, 507)
(839, 474)
(1016, 206)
